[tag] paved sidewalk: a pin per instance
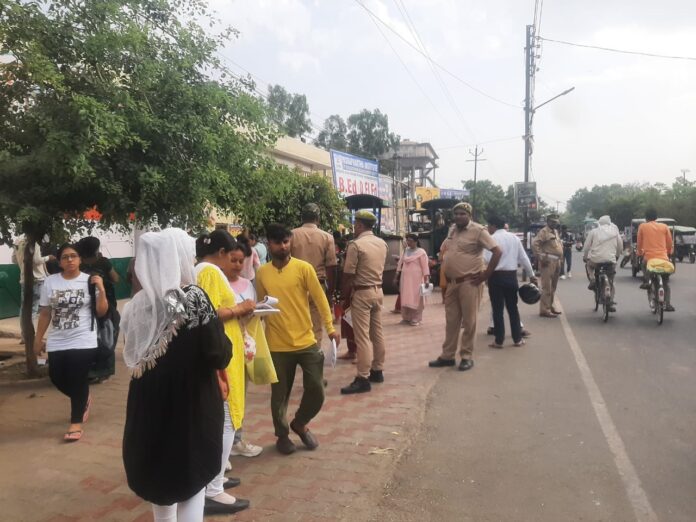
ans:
(44, 479)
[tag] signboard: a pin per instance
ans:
(424, 194)
(386, 192)
(526, 196)
(454, 193)
(354, 175)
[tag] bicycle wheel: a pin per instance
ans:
(606, 298)
(660, 312)
(596, 297)
(652, 301)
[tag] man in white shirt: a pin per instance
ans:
(602, 245)
(503, 285)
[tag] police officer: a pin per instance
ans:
(361, 287)
(548, 249)
(465, 271)
(311, 244)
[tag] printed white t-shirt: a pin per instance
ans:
(71, 313)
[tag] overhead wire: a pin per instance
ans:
(622, 51)
(438, 65)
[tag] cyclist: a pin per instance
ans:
(655, 242)
(602, 245)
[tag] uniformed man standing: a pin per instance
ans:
(465, 271)
(361, 287)
(316, 247)
(548, 249)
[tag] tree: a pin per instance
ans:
(112, 104)
(289, 111)
(368, 134)
(489, 198)
(333, 135)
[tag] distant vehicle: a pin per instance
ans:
(685, 243)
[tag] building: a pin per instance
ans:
(305, 157)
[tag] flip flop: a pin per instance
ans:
(85, 415)
(72, 436)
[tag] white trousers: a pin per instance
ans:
(214, 488)
(190, 510)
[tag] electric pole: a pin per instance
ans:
(529, 71)
(684, 173)
(475, 153)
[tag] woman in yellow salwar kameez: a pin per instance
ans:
(214, 254)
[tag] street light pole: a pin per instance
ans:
(476, 159)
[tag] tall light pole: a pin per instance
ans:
(684, 173)
(476, 153)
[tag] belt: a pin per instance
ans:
(365, 287)
(505, 272)
(464, 278)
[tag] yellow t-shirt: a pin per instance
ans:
(213, 282)
(291, 329)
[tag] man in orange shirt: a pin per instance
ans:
(655, 242)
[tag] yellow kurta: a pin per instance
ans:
(212, 281)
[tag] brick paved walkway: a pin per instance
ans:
(44, 479)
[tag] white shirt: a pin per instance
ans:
(39, 261)
(71, 313)
(513, 253)
(603, 244)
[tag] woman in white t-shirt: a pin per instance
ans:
(71, 344)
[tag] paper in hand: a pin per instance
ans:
(333, 354)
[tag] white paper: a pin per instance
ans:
(269, 303)
(333, 354)
(426, 290)
(261, 312)
(348, 317)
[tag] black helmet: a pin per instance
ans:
(529, 293)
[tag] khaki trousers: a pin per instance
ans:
(549, 282)
(366, 310)
(461, 310)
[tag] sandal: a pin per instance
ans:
(72, 436)
(85, 415)
(495, 345)
(521, 342)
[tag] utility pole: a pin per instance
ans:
(684, 173)
(476, 153)
(529, 71)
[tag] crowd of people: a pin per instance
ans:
(195, 335)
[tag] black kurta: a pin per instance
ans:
(174, 420)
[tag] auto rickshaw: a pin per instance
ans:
(636, 260)
(685, 243)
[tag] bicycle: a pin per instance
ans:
(656, 295)
(603, 289)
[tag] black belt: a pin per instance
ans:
(366, 287)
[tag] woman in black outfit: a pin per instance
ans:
(174, 343)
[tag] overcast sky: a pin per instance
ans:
(630, 118)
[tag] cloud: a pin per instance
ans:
(298, 60)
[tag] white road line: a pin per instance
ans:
(636, 494)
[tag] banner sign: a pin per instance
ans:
(354, 175)
(454, 193)
(424, 194)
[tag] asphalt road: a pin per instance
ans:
(589, 421)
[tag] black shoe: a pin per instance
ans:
(213, 507)
(441, 363)
(612, 309)
(466, 364)
(490, 331)
(326, 383)
(670, 308)
(231, 482)
(285, 445)
(359, 385)
(526, 333)
(376, 376)
(307, 437)
(591, 286)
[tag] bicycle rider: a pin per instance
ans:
(655, 242)
(602, 245)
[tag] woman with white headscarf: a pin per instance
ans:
(174, 343)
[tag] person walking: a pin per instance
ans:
(260, 248)
(291, 338)
(568, 241)
(465, 272)
(361, 291)
(411, 272)
(503, 284)
(214, 254)
(548, 249)
(40, 274)
(68, 308)
(316, 247)
(174, 343)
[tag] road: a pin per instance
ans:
(589, 421)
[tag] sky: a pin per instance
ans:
(629, 119)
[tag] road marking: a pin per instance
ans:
(636, 494)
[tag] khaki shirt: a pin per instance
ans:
(464, 250)
(316, 247)
(365, 257)
(548, 241)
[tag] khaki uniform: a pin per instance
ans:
(463, 259)
(365, 257)
(548, 249)
(311, 244)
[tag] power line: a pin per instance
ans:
(622, 51)
(496, 140)
(441, 67)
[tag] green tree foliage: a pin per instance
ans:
(279, 193)
(625, 202)
(333, 135)
(369, 135)
(290, 112)
(122, 105)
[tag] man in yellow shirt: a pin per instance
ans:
(291, 338)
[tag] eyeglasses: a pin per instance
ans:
(68, 257)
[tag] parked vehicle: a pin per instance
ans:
(685, 243)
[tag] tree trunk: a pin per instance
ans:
(26, 321)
